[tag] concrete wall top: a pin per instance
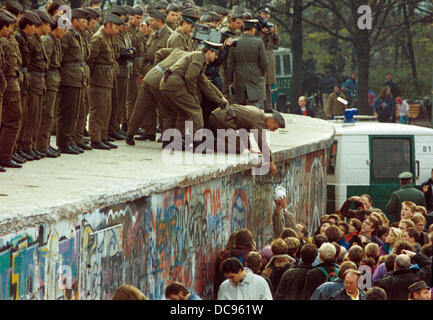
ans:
(55, 189)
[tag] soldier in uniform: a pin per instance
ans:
(53, 52)
(38, 65)
(102, 61)
(247, 64)
(161, 6)
(180, 84)
(407, 192)
(157, 40)
(26, 30)
(95, 4)
(246, 117)
(181, 38)
(173, 16)
(272, 40)
(72, 82)
(10, 98)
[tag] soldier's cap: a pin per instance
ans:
(417, 286)
(14, 7)
(161, 5)
(129, 10)
(279, 119)
(251, 23)
(221, 10)
(173, 7)
(118, 10)
(138, 10)
(212, 45)
(264, 9)
(112, 18)
(93, 14)
(156, 14)
(405, 175)
(6, 17)
(31, 18)
(190, 15)
(79, 13)
(210, 16)
(98, 10)
(45, 17)
(53, 7)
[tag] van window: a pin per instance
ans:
(277, 65)
(391, 156)
(287, 64)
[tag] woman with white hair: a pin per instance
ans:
(281, 218)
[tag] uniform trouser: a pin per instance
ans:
(99, 114)
(33, 121)
(68, 113)
(11, 115)
(176, 94)
(268, 101)
(77, 136)
(123, 91)
(114, 107)
(144, 110)
(131, 97)
(49, 101)
(24, 100)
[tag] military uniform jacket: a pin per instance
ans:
(86, 35)
(125, 67)
(164, 59)
(247, 64)
(247, 117)
(23, 42)
(138, 40)
(180, 40)
(3, 84)
(156, 41)
(102, 60)
(406, 192)
(172, 26)
(12, 63)
(38, 65)
(53, 50)
(190, 68)
(72, 69)
(272, 41)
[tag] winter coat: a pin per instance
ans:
(342, 295)
(316, 277)
(384, 108)
(327, 289)
(326, 84)
(292, 283)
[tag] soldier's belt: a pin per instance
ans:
(157, 67)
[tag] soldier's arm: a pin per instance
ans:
(175, 42)
(161, 54)
(24, 49)
(48, 46)
(263, 58)
(192, 74)
(65, 42)
(94, 50)
(276, 38)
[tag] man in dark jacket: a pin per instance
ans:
(350, 290)
(326, 86)
(326, 271)
(396, 283)
(407, 192)
(292, 282)
(427, 189)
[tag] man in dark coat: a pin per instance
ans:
(389, 83)
(325, 271)
(350, 290)
(407, 192)
(396, 283)
(292, 282)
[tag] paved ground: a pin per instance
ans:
(71, 182)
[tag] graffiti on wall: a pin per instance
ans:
(174, 235)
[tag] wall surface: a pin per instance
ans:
(175, 234)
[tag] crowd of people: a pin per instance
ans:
(355, 254)
(93, 76)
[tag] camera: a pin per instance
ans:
(205, 33)
(262, 24)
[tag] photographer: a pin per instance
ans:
(361, 212)
(271, 39)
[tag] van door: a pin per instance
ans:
(389, 156)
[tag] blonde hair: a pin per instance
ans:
(127, 292)
(418, 217)
(421, 209)
(408, 223)
(397, 233)
(410, 205)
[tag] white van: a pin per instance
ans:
(367, 157)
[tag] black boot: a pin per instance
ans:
(130, 140)
(68, 150)
(10, 164)
(99, 145)
(108, 143)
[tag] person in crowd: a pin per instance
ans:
(404, 224)
(281, 218)
(178, 291)
(394, 235)
(302, 108)
(371, 256)
(351, 87)
(355, 226)
(355, 254)
(375, 293)
(292, 282)
(255, 264)
(242, 284)
(350, 290)
(413, 236)
(403, 109)
(335, 107)
(368, 231)
(427, 189)
(382, 233)
(127, 292)
(420, 223)
(326, 86)
(361, 211)
(325, 271)
(294, 245)
(419, 291)
(384, 105)
(391, 84)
